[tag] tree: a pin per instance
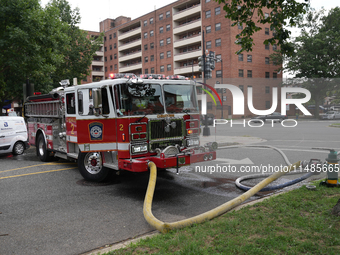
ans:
(43, 45)
(281, 13)
(317, 54)
(28, 39)
(79, 50)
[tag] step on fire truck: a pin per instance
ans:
(120, 123)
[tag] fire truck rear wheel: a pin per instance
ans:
(91, 167)
(42, 151)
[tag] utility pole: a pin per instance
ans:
(206, 129)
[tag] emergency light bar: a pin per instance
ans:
(122, 75)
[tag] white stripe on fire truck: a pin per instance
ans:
(72, 139)
(104, 146)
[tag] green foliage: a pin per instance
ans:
(317, 54)
(281, 14)
(43, 45)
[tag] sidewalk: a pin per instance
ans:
(230, 140)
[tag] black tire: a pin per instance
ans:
(42, 151)
(18, 148)
(91, 167)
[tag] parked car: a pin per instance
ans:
(274, 116)
(13, 135)
(210, 118)
(331, 115)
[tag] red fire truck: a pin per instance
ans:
(120, 123)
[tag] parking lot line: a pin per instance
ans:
(46, 164)
(43, 172)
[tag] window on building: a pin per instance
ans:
(145, 23)
(240, 72)
(240, 87)
(161, 30)
(105, 59)
(168, 27)
(115, 45)
(208, 14)
(208, 29)
(207, 1)
(218, 42)
(209, 105)
(217, 10)
(160, 16)
(151, 33)
(218, 73)
(208, 45)
(145, 47)
(105, 49)
(267, 89)
(161, 43)
(274, 75)
(146, 59)
(162, 69)
(168, 40)
(240, 57)
(161, 55)
(219, 58)
(110, 37)
(266, 60)
(274, 47)
(249, 58)
(145, 35)
(115, 56)
(152, 57)
(152, 45)
(168, 54)
(111, 68)
(115, 66)
(267, 104)
(167, 14)
(146, 71)
(217, 26)
(151, 20)
(105, 69)
(249, 73)
(114, 35)
(266, 31)
(110, 57)
(152, 70)
(110, 46)
(266, 46)
(267, 75)
(168, 68)
(239, 26)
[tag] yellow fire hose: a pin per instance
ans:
(165, 227)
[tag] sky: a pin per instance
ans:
(92, 12)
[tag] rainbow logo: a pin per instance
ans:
(209, 93)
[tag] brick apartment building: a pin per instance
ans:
(169, 41)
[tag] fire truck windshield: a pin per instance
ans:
(180, 98)
(138, 100)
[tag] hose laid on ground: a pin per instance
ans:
(165, 227)
(270, 188)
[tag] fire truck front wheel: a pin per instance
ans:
(91, 167)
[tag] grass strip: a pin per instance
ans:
(299, 221)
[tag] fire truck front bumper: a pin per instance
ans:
(163, 161)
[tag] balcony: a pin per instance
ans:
(130, 33)
(130, 45)
(187, 12)
(186, 69)
(188, 26)
(188, 41)
(188, 55)
(97, 63)
(99, 53)
(97, 73)
(130, 56)
(126, 69)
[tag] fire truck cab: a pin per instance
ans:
(121, 123)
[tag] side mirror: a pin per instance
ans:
(97, 101)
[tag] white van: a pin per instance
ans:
(13, 135)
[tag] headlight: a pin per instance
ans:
(193, 142)
(139, 148)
